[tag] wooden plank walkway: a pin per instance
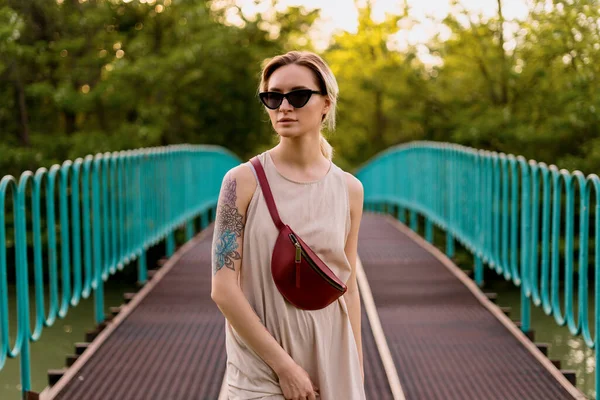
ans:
(168, 342)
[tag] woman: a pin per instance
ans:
(275, 350)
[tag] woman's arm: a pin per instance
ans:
(356, 193)
(236, 191)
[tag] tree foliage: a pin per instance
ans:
(88, 76)
(81, 77)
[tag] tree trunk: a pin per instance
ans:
(380, 122)
(23, 133)
(69, 122)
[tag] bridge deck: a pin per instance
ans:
(448, 342)
(169, 341)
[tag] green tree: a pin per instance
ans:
(382, 91)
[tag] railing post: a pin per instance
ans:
(202, 223)
(97, 248)
(25, 355)
(142, 267)
(141, 219)
(525, 310)
(449, 244)
(478, 271)
(401, 214)
(428, 230)
(525, 244)
(597, 288)
(189, 229)
(23, 310)
(188, 196)
(170, 243)
(413, 221)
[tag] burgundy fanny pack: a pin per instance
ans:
(300, 275)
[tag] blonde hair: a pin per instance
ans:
(325, 79)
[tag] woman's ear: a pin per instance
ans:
(327, 106)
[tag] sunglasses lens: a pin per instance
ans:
(299, 98)
(271, 100)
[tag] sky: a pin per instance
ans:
(342, 14)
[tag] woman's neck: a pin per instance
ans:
(299, 153)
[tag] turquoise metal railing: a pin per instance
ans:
(121, 203)
(508, 212)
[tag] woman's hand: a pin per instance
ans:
(296, 384)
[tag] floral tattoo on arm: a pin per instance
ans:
(229, 226)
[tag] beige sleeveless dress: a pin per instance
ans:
(321, 341)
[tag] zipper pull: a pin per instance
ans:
(298, 253)
(298, 257)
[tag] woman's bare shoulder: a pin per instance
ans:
(355, 190)
(245, 183)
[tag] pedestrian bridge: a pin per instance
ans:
(430, 331)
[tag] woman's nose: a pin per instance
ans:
(285, 105)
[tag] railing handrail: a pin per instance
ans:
(491, 203)
(122, 203)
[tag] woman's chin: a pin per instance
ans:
(288, 132)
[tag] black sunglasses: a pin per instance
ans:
(296, 98)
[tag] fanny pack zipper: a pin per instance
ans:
(299, 252)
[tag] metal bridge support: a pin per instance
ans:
(142, 268)
(478, 271)
(525, 310)
(413, 221)
(170, 243)
(449, 245)
(189, 230)
(401, 214)
(428, 230)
